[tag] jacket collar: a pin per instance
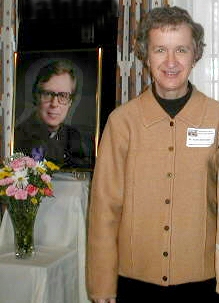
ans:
(192, 113)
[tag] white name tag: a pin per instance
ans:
(200, 137)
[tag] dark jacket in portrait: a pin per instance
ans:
(63, 147)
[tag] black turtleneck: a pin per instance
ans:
(173, 106)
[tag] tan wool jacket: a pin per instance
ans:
(152, 215)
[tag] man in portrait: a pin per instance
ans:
(44, 133)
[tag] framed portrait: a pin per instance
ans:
(84, 113)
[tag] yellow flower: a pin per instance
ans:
(4, 174)
(34, 200)
(8, 168)
(41, 190)
(49, 185)
(41, 169)
(2, 192)
(51, 165)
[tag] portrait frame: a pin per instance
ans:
(85, 110)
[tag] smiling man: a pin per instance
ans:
(44, 131)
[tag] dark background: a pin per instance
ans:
(65, 25)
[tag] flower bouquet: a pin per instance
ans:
(24, 182)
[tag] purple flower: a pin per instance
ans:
(37, 153)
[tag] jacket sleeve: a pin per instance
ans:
(214, 168)
(213, 197)
(105, 212)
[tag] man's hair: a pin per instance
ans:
(167, 17)
(54, 67)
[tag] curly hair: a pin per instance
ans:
(164, 17)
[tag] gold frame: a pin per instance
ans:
(95, 93)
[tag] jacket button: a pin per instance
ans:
(164, 278)
(165, 253)
(171, 123)
(170, 148)
(166, 227)
(167, 201)
(169, 175)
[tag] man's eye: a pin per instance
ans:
(63, 95)
(46, 94)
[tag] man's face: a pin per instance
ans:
(54, 112)
(170, 59)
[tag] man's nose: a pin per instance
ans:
(55, 101)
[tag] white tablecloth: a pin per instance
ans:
(57, 273)
(47, 278)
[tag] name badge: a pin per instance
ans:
(200, 137)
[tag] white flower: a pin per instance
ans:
(20, 178)
(39, 168)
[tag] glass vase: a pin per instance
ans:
(23, 215)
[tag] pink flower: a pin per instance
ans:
(30, 162)
(21, 194)
(46, 178)
(18, 164)
(48, 192)
(11, 190)
(6, 181)
(32, 190)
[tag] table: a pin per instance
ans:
(57, 273)
(44, 278)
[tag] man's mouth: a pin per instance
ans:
(53, 115)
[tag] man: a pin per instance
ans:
(45, 132)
